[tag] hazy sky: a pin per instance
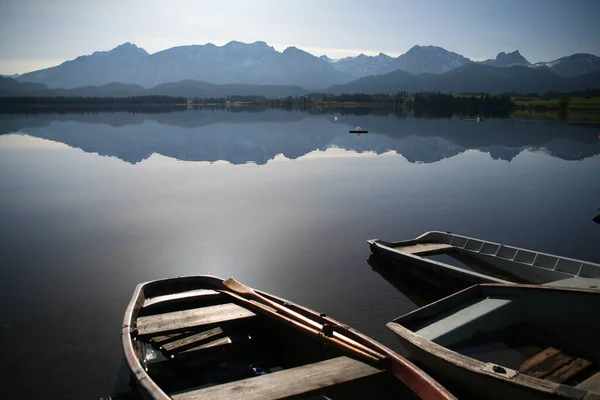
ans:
(36, 34)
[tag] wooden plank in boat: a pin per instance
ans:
(189, 340)
(591, 384)
(544, 363)
(423, 249)
(182, 295)
(569, 370)
(160, 339)
(286, 383)
(179, 320)
(220, 343)
(215, 343)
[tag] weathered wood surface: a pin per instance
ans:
(185, 319)
(160, 339)
(182, 295)
(190, 340)
(286, 383)
(569, 370)
(215, 343)
(424, 249)
(544, 363)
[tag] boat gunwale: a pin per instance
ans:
(478, 367)
(419, 239)
(473, 291)
(384, 246)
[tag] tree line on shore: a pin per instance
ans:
(419, 103)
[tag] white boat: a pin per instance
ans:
(509, 341)
(491, 262)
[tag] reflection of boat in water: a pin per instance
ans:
(358, 131)
(509, 341)
(203, 337)
(492, 262)
(417, 290)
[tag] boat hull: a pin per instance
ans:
(443, 276)
(479, 385)
(491, 262)
(538, 317)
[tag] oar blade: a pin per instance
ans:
(237, 287)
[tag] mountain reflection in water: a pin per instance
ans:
(259, 136)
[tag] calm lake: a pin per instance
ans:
(92, 204)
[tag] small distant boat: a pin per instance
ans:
(201, 337)
(509, 341)
(358, 130)
(491, 262)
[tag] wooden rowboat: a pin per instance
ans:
(201, 337)
(510, 341)
(490, 262)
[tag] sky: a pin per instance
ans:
(36, 34)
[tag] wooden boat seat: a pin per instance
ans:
(189, 339)
(553, 365)
(181, 320)
(181, 295)
(219, 343)
(425, 249)
(286, 383)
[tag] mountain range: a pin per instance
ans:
(260, 64)
(233, 63)
(470, 78)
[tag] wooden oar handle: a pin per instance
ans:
(336, 342)
(307, 321)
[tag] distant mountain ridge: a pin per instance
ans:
(234, 63)
(507, 60)
(472, 78)
(260, 64)
(574, 65)
(188, 88)
(428, 60)
(361, 65)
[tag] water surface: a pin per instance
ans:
(92, 204)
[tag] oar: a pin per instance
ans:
(411, 375)
(253, 304)
(244, 290)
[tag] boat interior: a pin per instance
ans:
(200, 343)
(498, 260)
(543, 332)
